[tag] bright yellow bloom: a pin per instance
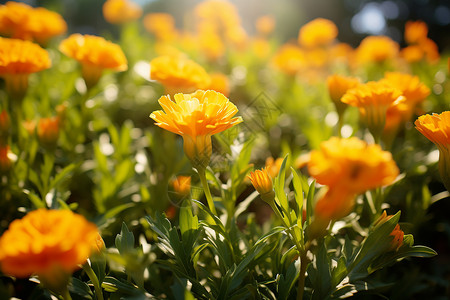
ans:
(162, 25)
(373, 100)
(178, 74)
(352, 165)
(182, 185)
(290, 59)
(196, 117)
(318, 32)
(415, 32)
(262, 182)
(95, 54)
(47, 243)
(22, 21)
(377, 49)
(265, 25)
(221, 13)
(337, 87)
(436, 128)
(121, 11)
(18, 59)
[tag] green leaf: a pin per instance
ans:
(286, 282)
(298, 192)
(279, 187)
(309, 202)
(188, 221)
(80, 288)
(125, 240)
(67, 171)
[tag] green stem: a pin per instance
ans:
(66, 295)
(202, 175)
(301, 279)
(98, 289)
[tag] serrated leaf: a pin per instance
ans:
(125, 240)
(62, 175)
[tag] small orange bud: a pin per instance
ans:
(5, 161)
(182, 185)
(48, 131)
(262, 182)
(397, 233)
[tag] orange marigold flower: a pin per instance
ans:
(318, 32)
(95, 54)
(222, 14)
(48, 131)
(436, 128)
(196, 117)
(262, 182)
(178, 74)
(265, 25)
(415, 31)
(121, 11)
(338, 85)
(290, 59)
(430, 49)
(373, 100)
(22, 21)
(18, 59)
(412, 53)
(261, 48)
(182, 185)
(219, 83)
(47, 243)
(5, 126)
(377, 49)
(352, 165)
(273, 166)
(334, 204)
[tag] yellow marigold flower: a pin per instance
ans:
(49, 243)
(260, 47)
(219, 12)
(48, 131)
(318, 32)
(338, 85)
(18, 59)
(182, 185)
(162, 25)
(352, 165)
(265, 25)
(196, 117)
(178, 74)
(95, 54)
(219, 83)
(373, 100)
(262, 182)
(290, 59)
(415, 32)
(121, 11)
(436, 128)
(22, 21)
(341, 53)
(397, 233)
(211, 44)
(377, 49)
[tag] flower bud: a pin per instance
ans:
(262, 182)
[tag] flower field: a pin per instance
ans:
(203, 159)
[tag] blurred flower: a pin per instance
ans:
(121, 11)
(397, 233)
(262, 182)
(48, 131)
(5, 161)
(219, 83)
(5, 127)
(338, 85)
(30, 126)
(18, 59)
(178, 74)
(162, 25)
(273, 166)
(415, 32)
(289, 59)
(211, 44)
(49, 243)
(182, 185)
(22, 21)
(95, 54)
(431, 50)
(373, 99)
(412, 53)
(318, 32)
(436, 128)
(261, 48)
(352, 164)
(342, 53)
(265, 25)
(348, 167)
(196, 117)
(221, 14)
(377, 49)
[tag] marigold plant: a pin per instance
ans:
(262, 182)
(377, 49)
(318, 32)
(121, 11)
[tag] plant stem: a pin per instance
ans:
(202, 175)
(98, 289)
(302, 276)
